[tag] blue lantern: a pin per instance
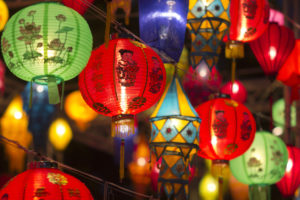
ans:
(163, 25)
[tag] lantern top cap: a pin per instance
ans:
(42, 164)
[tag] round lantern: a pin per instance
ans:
(263, 164)
(44, 181)
(46, 43)
(121, 80)
(236, 90)
(78, 5)
(60, 134)
(291, 179)
(273, 47)
(78, 110)
(289, 74)
(208, 188)
(278, 113)
(3, 14)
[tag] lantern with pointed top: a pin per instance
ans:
(174, 139)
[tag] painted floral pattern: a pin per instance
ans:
(220, 124)
(57, 179)
(246, 127)
(137, 102)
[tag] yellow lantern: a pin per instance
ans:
(3, 14)
(208, 188)
(14, 126)
(60, 134)
(78, 110)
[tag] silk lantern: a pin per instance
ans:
(208, 22)
(14, 124)
(78, 5)
(174, 139)
(125, 5)
(289, 74)
(40, 116)
(4, 14)
(47, 43)
(278, 113)
(167, 21)
(276, 16)
(208, 187)
(236, 90)
(291, 179)
(2, 76)
(273, 47)
(78, 110)
(43, 180)
(60, 134)
(263, 164)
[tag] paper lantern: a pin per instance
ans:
(174, 139)
(78, 5)
(238, 190)
(60, 134)
(125, 5)
(263, 164)
(291, 179)
(235, 90)
(2, 75)
(289, 74)
(208, 188)
(121, 80)
(39, 116)
(47, 43)
(167, 21)
(3, 14)
(278, 113)
(273, 47)
(78, 110)
(276, 16)
(14, 124)
(208, 22)
(44, 181)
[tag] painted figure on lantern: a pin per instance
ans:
(250, 7)
(220, 124)
(156, 77)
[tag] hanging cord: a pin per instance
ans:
(220, 181)
(108, 20)
(233, 69)
(76, 171)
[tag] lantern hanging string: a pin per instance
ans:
(76, 171)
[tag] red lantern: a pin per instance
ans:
(248, 18)
(291, 179)
(273, 48)
(43, 181)
(78, 5)
(235, 90)
(289, 74)
(227, 129)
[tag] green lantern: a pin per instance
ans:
(278, 113)
(47, 43)
(263, 164)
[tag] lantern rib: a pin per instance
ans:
(266, 154)
(45, 38)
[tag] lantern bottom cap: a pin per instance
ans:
(122, 125)
(43, 79)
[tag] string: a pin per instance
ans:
(76, 171)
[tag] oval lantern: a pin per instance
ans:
(278, 113)
(44, 180)
(4, 14)
(77, 109)
(78, 5)
(235, 90)
(46, 43)
(60, 134)
(291, 179)
(273, 47)
(263, 164)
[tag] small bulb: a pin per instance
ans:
(289, 165)
(40, 88)
(272, 52)
(18, 115)
(235, 88)
(277, 131)
(211, 187)
(203, 73)
(60, 129)
(141, 162)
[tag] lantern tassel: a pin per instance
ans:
(122, 155)
(220, 181)
(257, 192)
(53, 90)
(30, 96)
(108, 21)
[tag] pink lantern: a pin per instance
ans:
(276, 16)
(236, 90)
(2, 73)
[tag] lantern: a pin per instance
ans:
(174, 139)
(40, 116)
(2, 74)
(263, 164)
(208, 188)
(14, 127)
(278, 113)
(238, 190)
(78, 5)
(276, 16)
(46, 43)
(291, 179)
(273, 47)
(236, 90)
(44, 180)
(289, 74)
(167, 21)
(78, 110)
(125, 5)
(60, 134)
(3, 14)
(208, 22)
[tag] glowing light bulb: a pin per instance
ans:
(141, 161)
(18, 115)
(272, 52)
(203, 73)
(214, 140)
(40, 88)
(235, 88)
(277, 131)
(289, 165)
(211, 187)
(60, 129)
